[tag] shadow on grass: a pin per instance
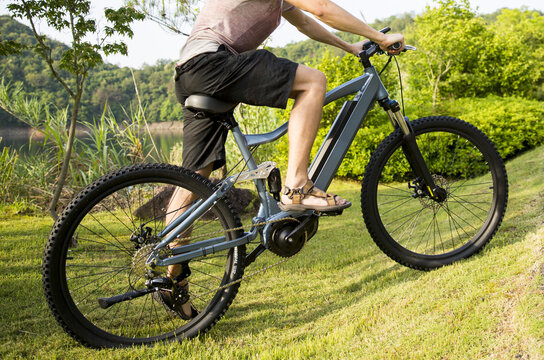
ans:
(271, 312)
(23, 308)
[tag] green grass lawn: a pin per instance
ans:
(341, 297)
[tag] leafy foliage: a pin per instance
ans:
(513, 123)
(483, 69)
(8, 161)
(106, 145)
(461, 55)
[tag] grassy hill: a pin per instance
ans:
(339, 298)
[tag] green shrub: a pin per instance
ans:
(513, 124)
(108, 145)
(8, 161)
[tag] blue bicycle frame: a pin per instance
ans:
(369, 89)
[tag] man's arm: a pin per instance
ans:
(338, 18)
(315, 31)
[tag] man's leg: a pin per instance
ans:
(308, 90)
(180, 200)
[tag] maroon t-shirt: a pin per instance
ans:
(240, 25)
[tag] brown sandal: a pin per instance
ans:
(298, 194)
(174, 299)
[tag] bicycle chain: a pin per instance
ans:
(255, 272)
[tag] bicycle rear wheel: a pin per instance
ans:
(98, 248)
(414, 229)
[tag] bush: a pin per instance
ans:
(8, 161)
(108, 144)
(513, 124)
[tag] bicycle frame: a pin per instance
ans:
(369, 89)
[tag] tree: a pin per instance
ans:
(519, 35)
(451, 41)
(71, 68)
(173, 15)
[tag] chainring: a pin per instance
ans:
(279, 244)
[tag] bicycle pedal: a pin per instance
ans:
(329, 213)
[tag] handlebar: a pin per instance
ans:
(395, 46)
(370, 48)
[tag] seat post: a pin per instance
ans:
(229, 122)
(241, 141)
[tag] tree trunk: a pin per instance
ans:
(67, 157)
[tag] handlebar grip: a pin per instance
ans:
(395, 46)
(385, 29)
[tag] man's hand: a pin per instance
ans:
(390, 39)
(356, 48)
(338, 18)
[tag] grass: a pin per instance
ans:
(341, 297)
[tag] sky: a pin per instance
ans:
(151, 43)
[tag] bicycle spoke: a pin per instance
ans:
(461, 200)
(418, 213)
(415, 222)
(394, 188)
(130, 217)
(458, 167)
(115, 216)
(409, 199)
(392, 201)
(122, 248)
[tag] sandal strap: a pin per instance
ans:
(297, 194)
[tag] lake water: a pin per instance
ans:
(20, 140)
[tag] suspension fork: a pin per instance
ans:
(409, 146)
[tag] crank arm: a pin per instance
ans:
(251, 257)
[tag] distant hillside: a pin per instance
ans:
(106, 83)
(114, 85)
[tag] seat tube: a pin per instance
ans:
(241, 141)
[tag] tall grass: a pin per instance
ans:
(340, 298)
(105, 144)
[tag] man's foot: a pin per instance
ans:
(309, 197)
(177, 300)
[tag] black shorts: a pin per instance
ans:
(255, 77)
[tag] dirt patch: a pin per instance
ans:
(156, 207)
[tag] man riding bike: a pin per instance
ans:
(220, 60)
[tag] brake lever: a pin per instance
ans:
(406, 48)
(397, 46)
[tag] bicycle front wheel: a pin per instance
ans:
(100, 243)
(412, 228)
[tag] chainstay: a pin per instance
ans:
(222, 287)
(234, 229)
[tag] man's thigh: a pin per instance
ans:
(255, 77)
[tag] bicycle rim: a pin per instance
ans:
(419, 231)
(101, 256)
